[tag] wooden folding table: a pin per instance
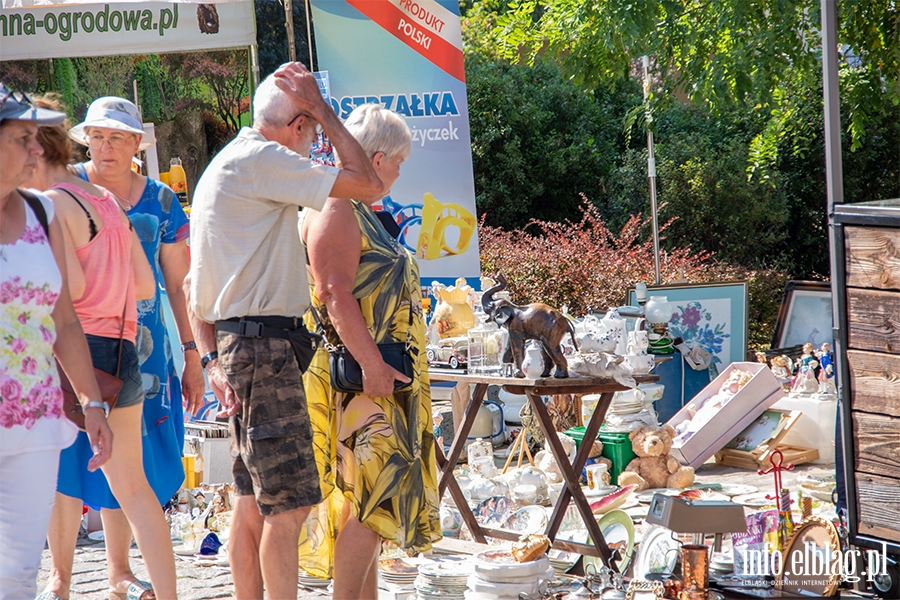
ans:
(534, 389)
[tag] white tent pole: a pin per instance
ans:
(651, 173)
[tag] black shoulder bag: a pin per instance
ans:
(346, 374)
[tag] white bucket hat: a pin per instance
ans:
(112, 112)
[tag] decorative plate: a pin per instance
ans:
(529, 519)
(756, 500)
(737, 489)
(492, 511)
(618, 531)
(657, 553)
(647, 495)
(398, 566)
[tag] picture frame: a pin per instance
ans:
(717, 317)
(812, 535)
(804, 315)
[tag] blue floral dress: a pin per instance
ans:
(158, 219)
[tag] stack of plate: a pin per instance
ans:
(443, 580)
(307, 580)
(500, 577)
(401, 572)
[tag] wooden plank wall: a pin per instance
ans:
(873, 333)
(873, 257)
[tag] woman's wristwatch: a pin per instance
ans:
(97, 404)
(207, 358)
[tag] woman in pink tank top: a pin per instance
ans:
(108, 272)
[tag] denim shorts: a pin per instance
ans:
(105, 356)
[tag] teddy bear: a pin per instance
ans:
(544, 460)
(655, 467)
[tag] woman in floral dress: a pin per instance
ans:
(375, 449)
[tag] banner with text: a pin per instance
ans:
(407, 56)
(124, 28)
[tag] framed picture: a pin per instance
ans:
(805, 315)
(712, 315)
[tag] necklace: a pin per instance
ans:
(126, 203)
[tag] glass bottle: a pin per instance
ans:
(178, 179)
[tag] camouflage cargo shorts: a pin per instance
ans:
(271, 438)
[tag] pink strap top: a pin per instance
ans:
(108, 272)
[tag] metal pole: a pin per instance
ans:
(651, 172)
(834, 180)
(289, 27)
(309, 34)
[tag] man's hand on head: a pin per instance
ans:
(301, 86)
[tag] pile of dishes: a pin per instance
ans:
(443, 580)
(498, 576)
(401, 572)
(309, 581)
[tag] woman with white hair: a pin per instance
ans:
(374, 449)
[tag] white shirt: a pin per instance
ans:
(246, 254)
(31, 418)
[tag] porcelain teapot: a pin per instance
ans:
(612, 321)
(641, 363)
(586, 342)
(481, 488)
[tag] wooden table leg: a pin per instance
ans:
(459, 441)
(570, 478)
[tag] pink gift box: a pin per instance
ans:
(760, 393)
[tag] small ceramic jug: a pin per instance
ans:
(639, 339)
(533, 363)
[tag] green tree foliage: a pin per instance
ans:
(538, 141)
(724, 53)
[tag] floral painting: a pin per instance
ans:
(704, 323)
(710, 315)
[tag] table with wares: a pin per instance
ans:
(534, 389)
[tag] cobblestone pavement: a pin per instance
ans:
(194, 582)
(207, 582)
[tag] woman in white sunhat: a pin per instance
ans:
(113, 132)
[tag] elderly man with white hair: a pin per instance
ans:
(248, 290)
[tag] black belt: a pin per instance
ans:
(260, 327)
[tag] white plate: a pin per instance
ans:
(757, 500)
(657, 553)
(647, 495)
(638, 512)
(183, 550)
(602, 491)
(97, 536)
(528, 519)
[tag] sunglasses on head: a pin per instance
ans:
(20, 97)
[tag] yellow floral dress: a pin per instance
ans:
(376, 453)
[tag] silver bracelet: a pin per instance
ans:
(97, 404)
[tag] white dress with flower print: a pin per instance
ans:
(31, 418)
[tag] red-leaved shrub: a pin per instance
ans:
(586, 266)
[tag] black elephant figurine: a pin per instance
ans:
(531, 322)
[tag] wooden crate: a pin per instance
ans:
(759, 457)
(873, 257)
